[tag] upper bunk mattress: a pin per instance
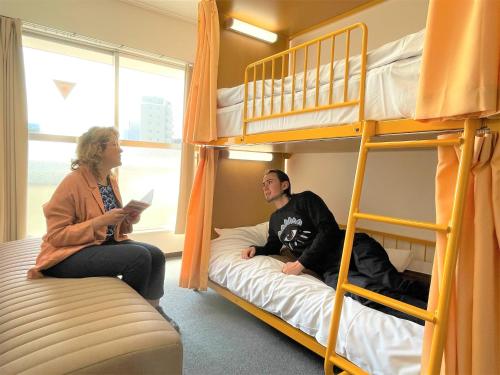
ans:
(377, 342)
(390, 93)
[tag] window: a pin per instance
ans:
(71, 88)
(149, 96)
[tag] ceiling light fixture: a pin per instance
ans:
(251, 30)
(250, 155)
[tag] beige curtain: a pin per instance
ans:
(473, 339)
(200, 119)
(13, 133)
(196, 252)
(459, 76)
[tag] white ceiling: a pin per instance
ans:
(186, 10)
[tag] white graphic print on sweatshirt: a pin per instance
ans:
(291, 235)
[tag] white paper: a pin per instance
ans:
(140, 205)
(148, 198)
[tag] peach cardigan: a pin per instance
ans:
(68, 213)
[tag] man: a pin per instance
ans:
(304, 224)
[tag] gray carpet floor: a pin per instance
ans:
(220, 338)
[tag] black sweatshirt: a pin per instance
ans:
(306, 226)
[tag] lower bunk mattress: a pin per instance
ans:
(376, 342)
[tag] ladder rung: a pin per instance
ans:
(408, 223)
(345, 365)
(414, 144)
(391, 302)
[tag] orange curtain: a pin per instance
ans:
(196, 253)
(473, 339)
(187, 170)
(459, 76)
(200, 117)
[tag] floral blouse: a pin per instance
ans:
(110, 202)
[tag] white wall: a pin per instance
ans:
(386, 21)
(168, 242)
(111, 21)
(398, 183)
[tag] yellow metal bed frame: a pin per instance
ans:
(367, 130)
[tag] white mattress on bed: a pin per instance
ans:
(409, 46)
(377, 342)
(390, 94)
(391, 88)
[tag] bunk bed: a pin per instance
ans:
(383, 81)
(259, 287)
(337, 100)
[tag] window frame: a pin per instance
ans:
(116, 54)
(73, 40)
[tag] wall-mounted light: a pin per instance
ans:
(251, 30)
(250, 155)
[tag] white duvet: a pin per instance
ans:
(391, 88)
(390, 94)
(378, 343)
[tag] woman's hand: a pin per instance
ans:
(293, 268)
(110, 217)
(248, 253)
(133, 217)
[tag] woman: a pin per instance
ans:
(87, 226)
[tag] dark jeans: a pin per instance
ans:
(142, 266)
(371, 269)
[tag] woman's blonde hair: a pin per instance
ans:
(91, 146)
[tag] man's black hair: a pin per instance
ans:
(282, 176)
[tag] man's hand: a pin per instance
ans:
(293, 268)
(248, 253)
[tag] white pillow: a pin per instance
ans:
(255, 235)
(400, 258)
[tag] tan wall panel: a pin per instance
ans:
(111, 21)
(238, 199)
(237, 51)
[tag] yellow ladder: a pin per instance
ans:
(438, 317)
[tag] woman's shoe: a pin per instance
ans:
(168, 319)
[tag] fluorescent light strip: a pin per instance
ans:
(249, 155)
(251, 30)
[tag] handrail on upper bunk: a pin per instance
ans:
(292, 55)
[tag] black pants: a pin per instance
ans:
(142, 266)
(371, 269)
